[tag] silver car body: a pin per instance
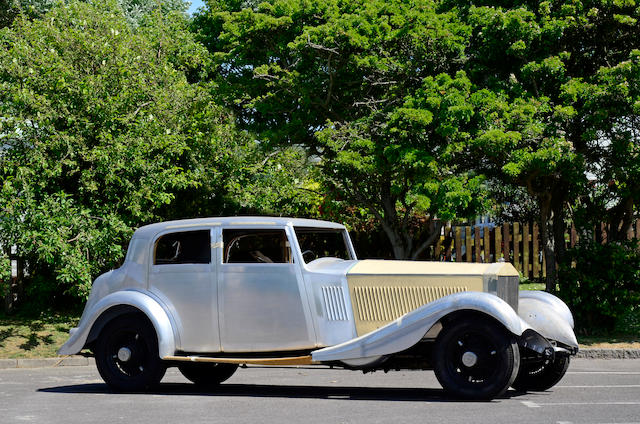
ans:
(347, 310)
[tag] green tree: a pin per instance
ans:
(555, 104)
(99, 129)
(134, 10)
(339, 78)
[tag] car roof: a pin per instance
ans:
(151, 230)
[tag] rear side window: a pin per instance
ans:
(187, 247)
(256, 246)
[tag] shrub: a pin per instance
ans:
(601, 283)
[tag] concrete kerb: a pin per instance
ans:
(79, 361)
(61, 361)
(609, 353)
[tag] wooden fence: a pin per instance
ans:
(518, 243)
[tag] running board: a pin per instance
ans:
(291, 360)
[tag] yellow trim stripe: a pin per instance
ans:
(292, 360)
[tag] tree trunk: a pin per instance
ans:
(402, 241)
(397, 244)
(620, 220)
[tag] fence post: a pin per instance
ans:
(516, 246)
(487, 244)
(536, 251)
(467, 241)
(498, 244)
(525, 250)
(449, 244)
(458, 244)
(506, 240)
(477, 244)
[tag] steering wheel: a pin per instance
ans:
(308, 254)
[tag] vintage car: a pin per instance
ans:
(207, 295)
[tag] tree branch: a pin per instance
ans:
(320, 47)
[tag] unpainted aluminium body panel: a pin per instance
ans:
(549, 316)
(262, 309)
(264, 306)
(550, 301)
(328, 292)
(141, 301)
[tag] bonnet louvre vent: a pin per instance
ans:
(385, 304)
(335, 307)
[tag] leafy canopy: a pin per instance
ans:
(340, 78)
(99, 129)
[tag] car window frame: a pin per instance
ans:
(223, 245)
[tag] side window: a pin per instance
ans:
(187, 247)
(256, 246)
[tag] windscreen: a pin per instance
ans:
(318, 243)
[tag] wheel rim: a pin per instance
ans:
(127, 352)
(473, 358)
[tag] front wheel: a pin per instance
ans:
(475, 359)
(541, 376)
(206, 374)
(127, 354)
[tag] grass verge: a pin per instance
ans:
(532, 286)
(22, 337)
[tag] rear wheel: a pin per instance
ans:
(207, 374)
(475, 359)
(127, 354)
(541, 376)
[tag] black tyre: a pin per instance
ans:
(475, 359)
(127, 354)
(541, 376)
(207, 374)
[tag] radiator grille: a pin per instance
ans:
(385, 304)
(508, 289)
(334, 305)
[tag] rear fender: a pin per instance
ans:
(114, 305)
(410, 328)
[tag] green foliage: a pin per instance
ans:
(603, 286)
(100, 128)
(554, 86)
(8, 12)
(340, 79)
(5, 272)
(277, 182)
(135, 11)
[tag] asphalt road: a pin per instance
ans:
(593, 391)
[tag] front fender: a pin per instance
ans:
(547, 315)
(146, 304)
(410, 328)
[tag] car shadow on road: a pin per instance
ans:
(391, 394)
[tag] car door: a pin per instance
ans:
(262, 299)
(182, 275)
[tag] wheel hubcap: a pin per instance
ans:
(469, 359)
(124, 354)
